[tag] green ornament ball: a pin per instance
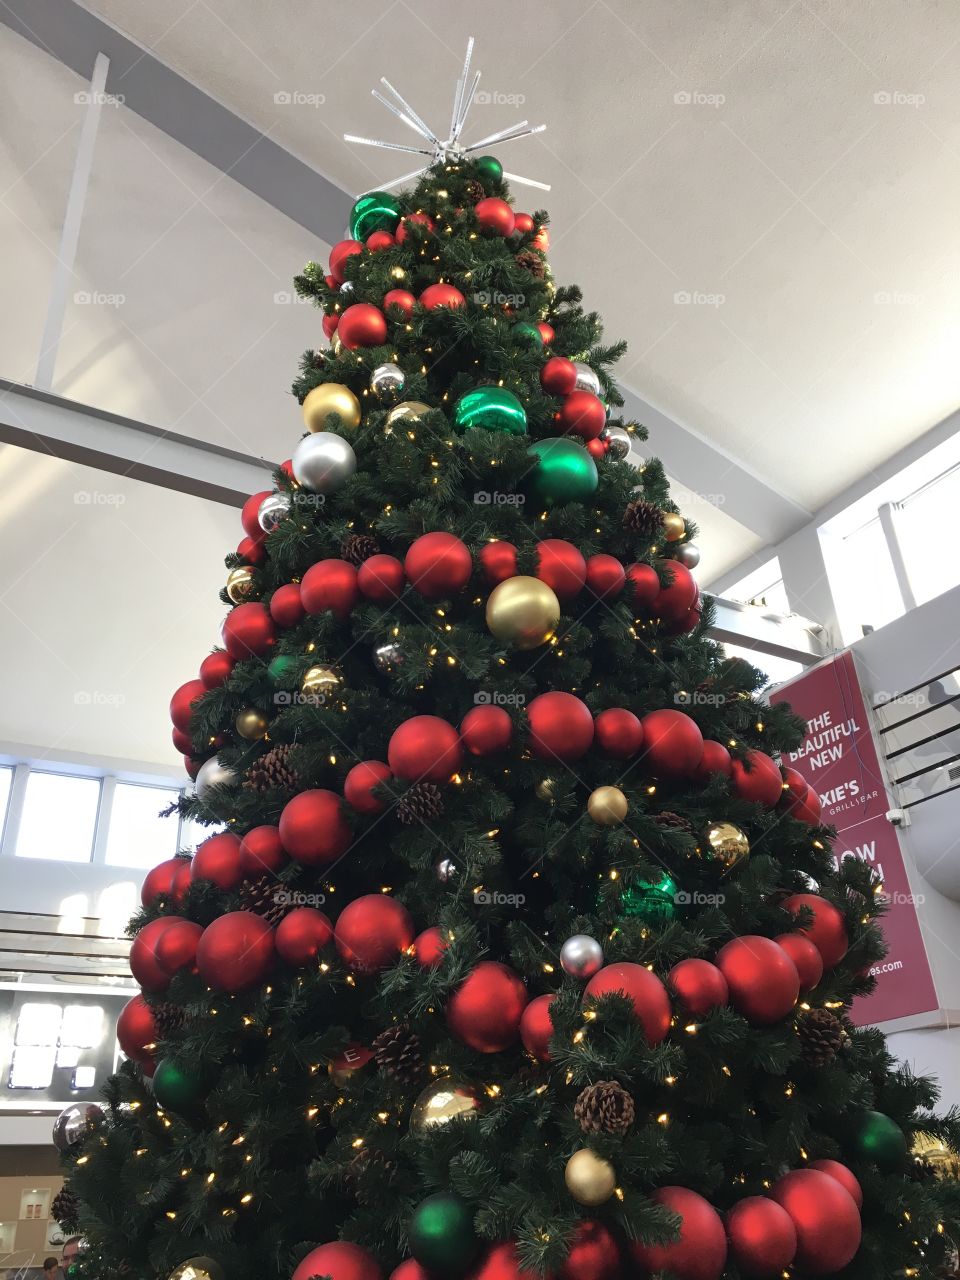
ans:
(283, 668)
(175, 1088)
(878, 1138)
(442, 1238)
(376, 211)
(528, 334)
(492, 409)
(565, 472)
(489, 167)
(655, 901)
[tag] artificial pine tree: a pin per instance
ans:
(506, 958)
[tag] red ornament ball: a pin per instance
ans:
(248, 631)
(536, 1027)
(313, 828)
(170, 880)
(381, 579)
(182, 742)
(362, 325)
(715, 759)
(582, 414)
(286, 606)
(795, 788)
(360, 782)
(402, 299)
(558, 377)
(763, 980)
(523, 223)
(340, 1260)
(825, 1216)
(561, 566)
(606, 576)
(827, 932)
(496, 216)
(498, 561)
(339, 254)
(699, 986)
(438, 564)
(546, 331)
(701, 1251)
(843, 1175)
(428, 947)
(218, 860)
(675, 601)
(329, 326)
(424, 749)
(500, 1262)
(485, 730)
(262, 852)
(372, 932)
(301, 935)
(143, 955)
(805, 956)
(594, 1254)
(618, 732)
(485, 1010)
(330, 584)
(442, 295)
(378, 240)
(137, 1032)
(763, 1239)
(250, 513)
(762, 784)
(644, 585)
(235, 951)
(643, 989)
(809, 809)
(410, 1270)
(597, 448)
(215, 669)
(561, 726)
(182, 701)
(415, 219)
(176, 946)
(252, 550)
(672, 744)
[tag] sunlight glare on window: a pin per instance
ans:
(59, 817)
(138, 836)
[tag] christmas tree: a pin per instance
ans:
(514, 950)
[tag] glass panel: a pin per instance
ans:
(6, 781)
(763, 586)
(59, 817)
(926, 528)
(82, 1026)
(137, 836)
(32, 1068)
(38, 1024)
(865, 585)
(193, 833)
(775, 669)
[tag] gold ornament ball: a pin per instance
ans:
(674, 526)
(590, 1179)
(398, 273)
(240, 584)
(197, 1269)
(523, 612)
(406, 409)
(728, 844)
(607, 806)
(330, 397)
(319, 682)
(546, 789)
(931, 1151)
(450, 1098)
(336, 346)
(251, 723)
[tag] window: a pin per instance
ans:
(871, 594)
(762, 586)
(6, 782)
(775, 669)
(59, 817)
(925, 522)
(138, 836)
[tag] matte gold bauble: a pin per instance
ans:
(240, 584)
(320, 682)
(590, 1179)
(330, 397)
(406, 409)
(523, 612)
(251, 723)
(728, 844)
(674, 527)
(450, 1098)
(607, 806)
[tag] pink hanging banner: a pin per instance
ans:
(839, 758)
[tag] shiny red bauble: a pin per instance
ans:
(597, 448)
(218, 860)
(182, 702)
(410, 1270)
(330, 584)
(672, 744)
(442, 295)
(286, 606)
(143, 956)
(486, 730)
(372, 932)
(763, 980)
(428, 947)
(805, 956)
(314, 829)
(594, 1254)
(182, 742)
(561, 566)
(176, 946)
(546, 332)
(758, 779)
(827, 931)
(425, 749)
(362, 325)
(438, 564)
(499, 1262)
(523, 223)
(402, 299)
(843, 1175)
(495, 216)
(561, 726)
(699, 986)
(582, 414)
(169, 880)
(215, 669)
(340, 1260)
(762, 1237)
(262, 852)
(301, 935)
(415, 219)
(644, 990)
(606, 576)
(618, 732)
(825, 1216)
(795, 788)
(250, 513)
(378, 240)
(701, 1251)
(235, 952)
(248, 631)
(252, 550)
(360, 783)
(329, 326)
(809, 810)
(536, 1027)
(339, 254)
(137, 1032)
(558, 377)
(643, 585)
(381, 579)
(715, 759)
(485, 1010)
(675, 601)
(498, 561)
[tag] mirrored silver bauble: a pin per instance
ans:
(688, 553)
(587, 380)
(214, 774)
(387, 656)
(347, 289)
(323, 462)
(581, 956)
(75, 1123)
(446, 869)
(618, 442)
(387, 381)
(272, 510)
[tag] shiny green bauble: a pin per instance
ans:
(283, 668)
(376, 211)
(489, 167)
(175, 1088)
(492, 409)
(878, 1138)
(652, 900)
(528, 334)
(565, 472)
(441, 1234)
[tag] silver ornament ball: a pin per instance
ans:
(387, 381)
(214, 774)
(322, 462)
(446, 869)
(581, 956)
(587, 380)
(618, 442)
(75, 1123)
(387, 656)
(272, 510)
(347, 288)
(688, 553)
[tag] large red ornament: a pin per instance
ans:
(762, 784)
(360, 782)
(137, 1032)
(582, 414)
(301, 935)
(500, 1262)
(643, 989)
(594, 1254)
(176, 946)
(442, 295)
(523, 223)
(795, 788)
(558, 377)
(424, 749)
(248, 631)
(827, 932)
(428, 947)
(378, 240)
(672, 744)
(410, 1270)
(417, 219)
(536, 1027)
(498, 560)
(809, 809)
(143, 955)
(763, 980)
(235, 951)
(843, 1175)
(561, 566)
(381, 579)
(313, 828)
(215, 669)
(825, 1216)
(606, 576)
(403, 299)
(486, 730)
(262, 852)
(699, 985)
(250, 511)
(763, 1239)
(286, 607)
(330, 584)
(496, 216)
(340, 1260)
(485, 1010)
(701, 1251)
(673, 603)
(362, 325)
(561, 726)
(715, 759)
(546, 332)
(182, 701)
(618, 732)
(339, 254)
(170, 880)
(218, 860)
(643, 585)
(805, 956)
(372, 932)
(438, 564)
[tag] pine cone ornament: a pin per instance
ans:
(168, 1019)
(643, 518)
(421, 803)
(676, 821)
(265, 896)
(357, 547)
(604, 1107)
(273, 771)
(397, 1051)
(531, 261)
(821, 1035)
(66, 1209)
(366, 1160)
(475, 191)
